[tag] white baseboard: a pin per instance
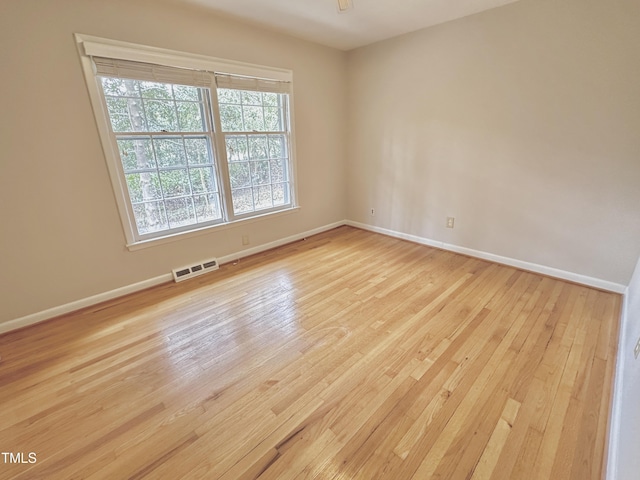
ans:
(82, 303)
(127, 289)
(615, 415)
(277, 243)
(512, 262)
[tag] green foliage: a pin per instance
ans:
(197, 150)
(239, 175)
(242, 111)
(257, 147)
(136, 153)
(257, 161)
(175, 183)
(160, 107)
(237, 150)
(171, 178)
(203, 180)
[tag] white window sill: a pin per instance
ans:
(206, 230)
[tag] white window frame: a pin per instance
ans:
(90, 46)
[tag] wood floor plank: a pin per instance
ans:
(485, 466)
(348, 355)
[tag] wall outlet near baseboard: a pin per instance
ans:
(636, 351)
(450, 221)
(245, 239)
(373, 212)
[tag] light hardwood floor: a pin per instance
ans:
(348, 355)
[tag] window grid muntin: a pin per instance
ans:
(188, 215)
(252, 188)
(173, 100)
(281, 106)
(165, 197)
(223, 201)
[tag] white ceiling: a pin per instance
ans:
(369, 21)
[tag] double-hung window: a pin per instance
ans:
(190, 142)
(254, 124)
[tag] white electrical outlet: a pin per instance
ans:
(450, 221)
(373, 212)
(245, 240)
(636, 351)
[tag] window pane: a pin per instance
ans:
(136, 153)
(158, 91)
(184, 92)
(170, 152)
(202, 180)
(278, 170)
(277, 146)
(242, 200)
(232, 149)
(226, 95)
(251, 98)
(243, 148)
(150, 217)
(253, 120)
(197, 150)
(161, 116)
(231, 118)
(124, 105)
(175, 183)
(273, 119)
(258, 147)
(190, 118)
(280, 194)
(119, 114)
(207, 207)
(259, 112)
(180, 212)
(239, 174)
(260, 173)
(113, 86)
(262, 197)
(237, 148)
(270, 99)
(143, 187)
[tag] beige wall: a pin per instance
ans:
(62, 238)
(522, 122)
